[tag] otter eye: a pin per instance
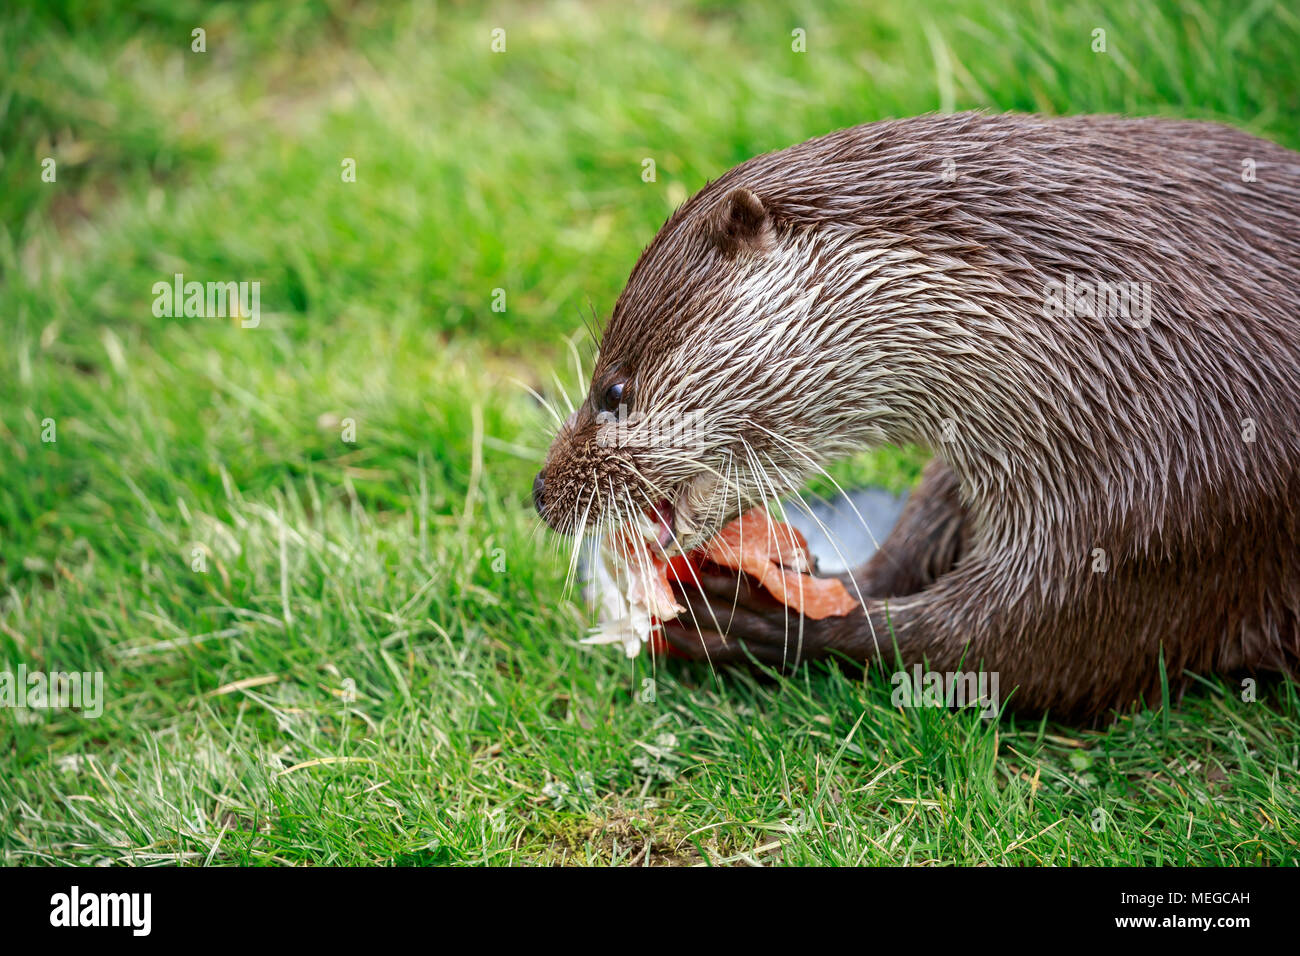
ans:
(612, 398)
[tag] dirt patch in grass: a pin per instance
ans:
(626, 838)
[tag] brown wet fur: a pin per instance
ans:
(1082, 436)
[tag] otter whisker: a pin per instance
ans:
(540, 399)
(592, 325)
(826, 474)
(564, 393)
(577, 363)
(832, 539)
(579, 539)
(761, 476)
(716, 625)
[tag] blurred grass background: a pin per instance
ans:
(378, 665)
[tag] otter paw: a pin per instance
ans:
(729, 619)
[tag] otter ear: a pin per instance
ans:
(740, 222)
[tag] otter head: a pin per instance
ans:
(715, 388)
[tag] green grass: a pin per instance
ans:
(379, 664)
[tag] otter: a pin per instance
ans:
(1092, 322)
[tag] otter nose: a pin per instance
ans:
(539, 486)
